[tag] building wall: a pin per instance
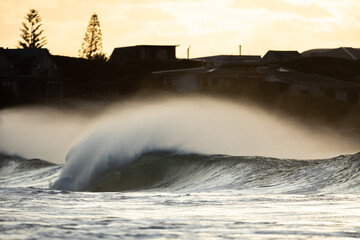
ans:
(353, 96)
(5, 66)
(186, 83)
(46, 67)
(12, 85)
(341, 95)
(42, 83)
(298, 89)
(141, 53)
(156, 52)
(317, 91)
(229, 60)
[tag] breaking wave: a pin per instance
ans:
(180, 172)
(171, 143)
(193, 172)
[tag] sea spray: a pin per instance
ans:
(196, 125)
(41, 132)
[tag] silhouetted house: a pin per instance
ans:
(88, 79)
(149, 58)
(280, 56)
(280, 80)
(7, 96)
(6, 67)
(347, 53)
(143, 53)
(223, 74)
(32, 62)
(31, 75)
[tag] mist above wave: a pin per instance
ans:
(40, 132)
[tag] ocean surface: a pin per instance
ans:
(174, 170)
(167, 195)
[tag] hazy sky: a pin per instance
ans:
(210, 26)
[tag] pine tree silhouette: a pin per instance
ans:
(91, 47)
(31, 33)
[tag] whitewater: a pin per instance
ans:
(182, 168)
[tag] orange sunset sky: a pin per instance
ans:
(211, 27)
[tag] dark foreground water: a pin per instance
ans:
(164, 195)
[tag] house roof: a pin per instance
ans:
(342, 52)
(287, 75)
(3, 53)
(227, 60)
(235, 57)
(28, 57)
(141, 46)
(182, 71)
(280, 56)
(117, 54)
(223, 70)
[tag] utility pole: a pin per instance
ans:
(188, 52)
(239, 49)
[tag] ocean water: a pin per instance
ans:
(175, 170)
(166, 195)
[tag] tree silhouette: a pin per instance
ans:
(100, 57)
(31, 33)
(91, 47)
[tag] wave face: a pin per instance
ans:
(169, 171)
(180, 172)
(16, 171)
(200, 126)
